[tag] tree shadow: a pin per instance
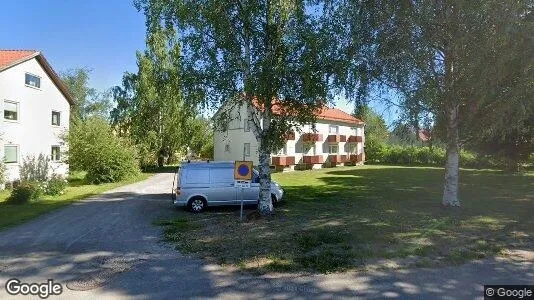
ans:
(108, 246)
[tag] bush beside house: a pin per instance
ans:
(93, 147)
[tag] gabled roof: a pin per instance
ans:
(11, 58)
(334, 114)
(324, 113)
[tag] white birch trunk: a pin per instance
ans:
(450, 192)
(265, 205)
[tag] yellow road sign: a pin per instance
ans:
(243, 170)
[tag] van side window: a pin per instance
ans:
(221, 175)
(197, 176)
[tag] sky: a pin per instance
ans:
(100, 35)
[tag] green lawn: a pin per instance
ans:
(351, 217)
(77, 189)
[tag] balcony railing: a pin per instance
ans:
(283, 160)
(312, 159)
(336, 138)
(355, 139)
(356, 157)
(312, 137)
(290, 136)
(335, 158)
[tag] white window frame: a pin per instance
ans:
(227, 148)
(31, 86)
(336, 127)
(18, 154)
(246, 125)
(59, 118)
(331, 147)
(246, 150)
(52, 158)
(18, 111)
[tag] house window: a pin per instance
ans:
(309, 149)
(33, 81)
(246, 149)
(56, 118)
(11, 110)
(333, 149)
(247, 125)
(282, 151)
(11, 154)
(55, 154)
(333, 129)
(227, 148)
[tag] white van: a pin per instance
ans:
(202, 184)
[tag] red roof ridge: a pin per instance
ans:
(323, 113)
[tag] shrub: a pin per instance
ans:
(375, 152)
(56, 185)
(34, 168)
(93, 147)
(25, 192)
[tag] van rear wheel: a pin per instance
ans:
(196, 205)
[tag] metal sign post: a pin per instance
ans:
(242, 177)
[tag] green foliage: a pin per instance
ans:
(376, 130)
(56, 185)
(200, 143)
(151, 109)
(89, 102)
(421, 156)
(93, 147)
(35, 168)
(25, 192)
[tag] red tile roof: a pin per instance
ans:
(334, 114)
(10, 57)
(325, 113)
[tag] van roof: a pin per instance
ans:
(211, 164)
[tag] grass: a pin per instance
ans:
(354, 217)
(78, 189)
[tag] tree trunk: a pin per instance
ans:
(161, 161)
(450, 193)
(265, 205)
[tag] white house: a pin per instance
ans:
(36, 106)
(338, 139)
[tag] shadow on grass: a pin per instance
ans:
(109, 241)
(380, 213)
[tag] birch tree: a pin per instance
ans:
(456, 58)
(265, 52)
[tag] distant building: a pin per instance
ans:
(338, 139)
(36, 107)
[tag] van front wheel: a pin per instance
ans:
(196, 205)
